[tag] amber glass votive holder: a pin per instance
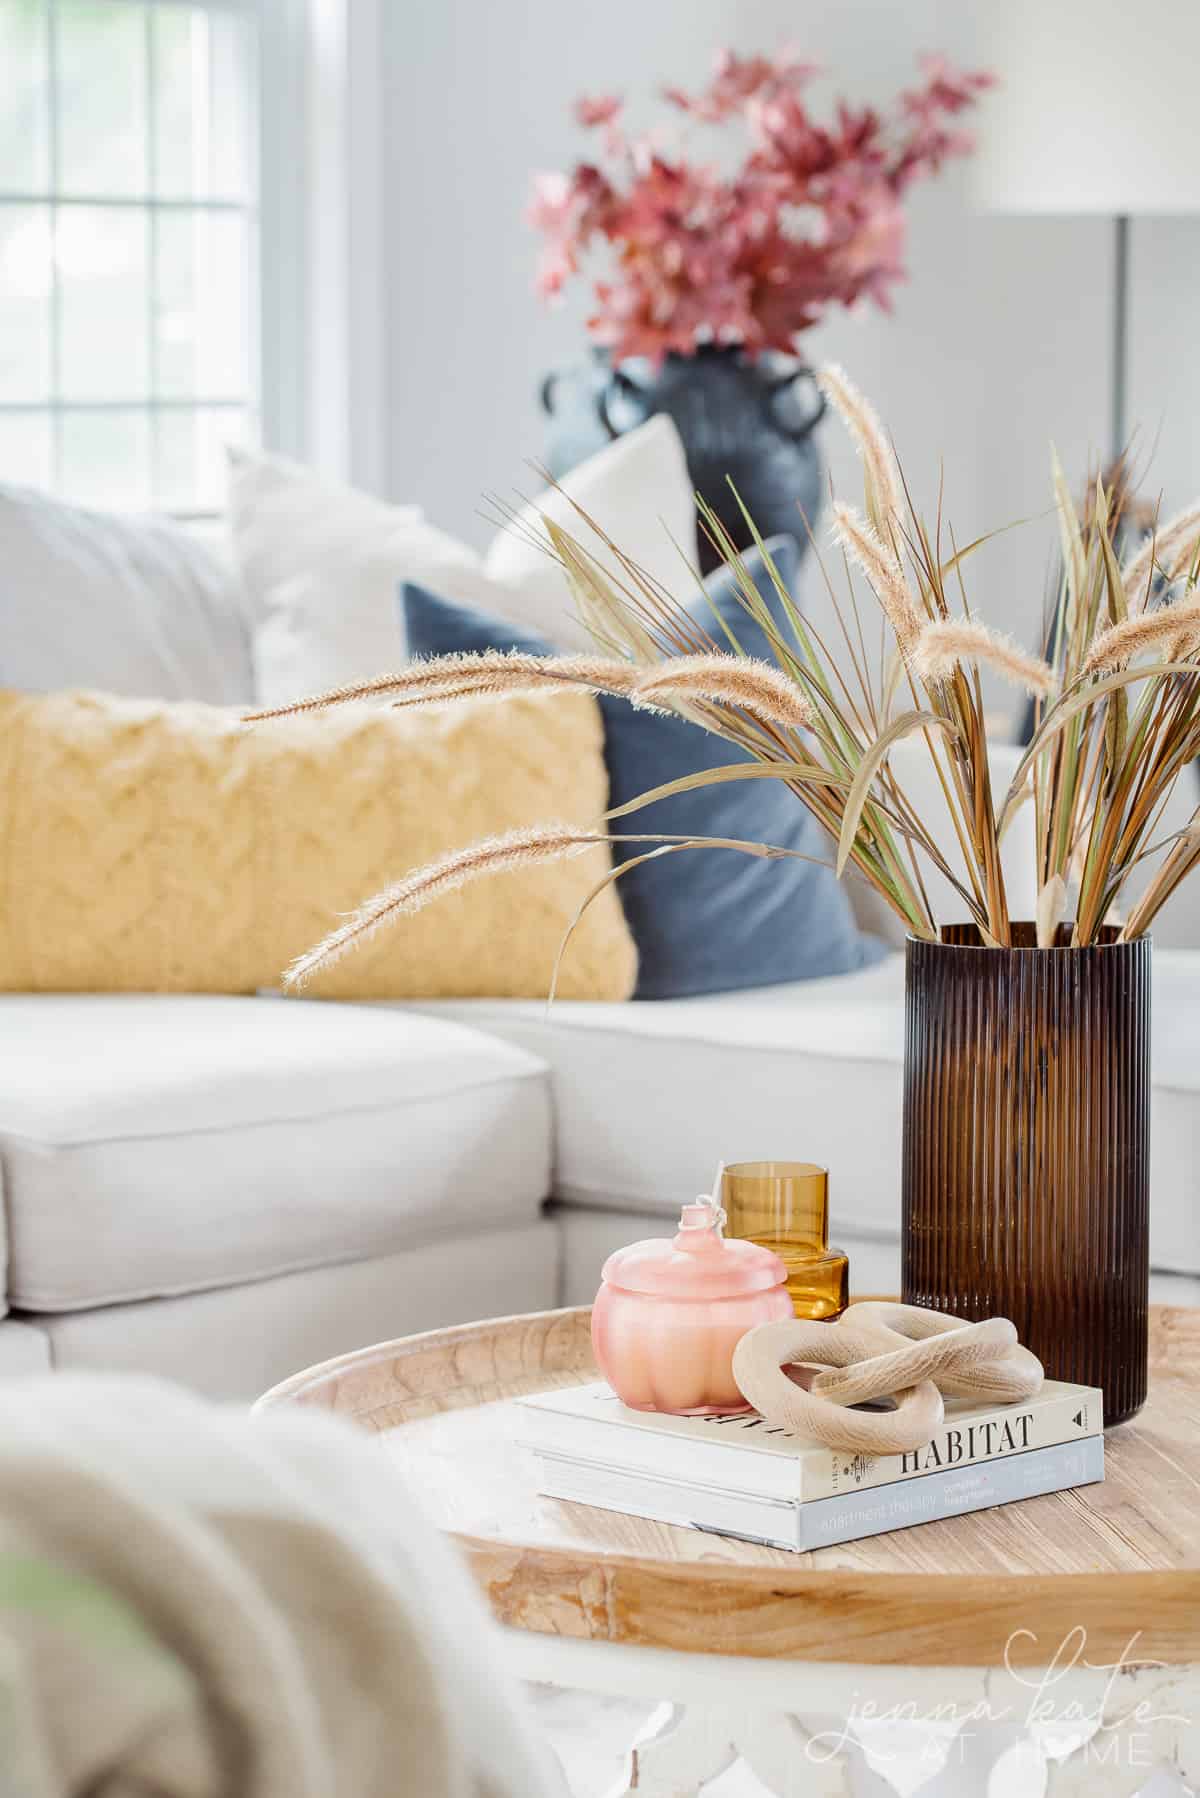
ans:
(784, 1207)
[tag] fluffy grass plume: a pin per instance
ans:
(945, 643)
(494, 855)
(740, 681)
(455, 676)
(1172, 548)
(881, 472)
(755, 687)
(1173, 628)
(880, 564)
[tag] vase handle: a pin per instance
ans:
(773, 389)
(546, 391)
(617, 382)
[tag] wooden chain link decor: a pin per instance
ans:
(879, 1351)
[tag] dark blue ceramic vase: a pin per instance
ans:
(747, 420)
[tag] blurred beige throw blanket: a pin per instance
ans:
(197, 1604)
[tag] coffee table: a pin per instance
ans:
(1064, 1631)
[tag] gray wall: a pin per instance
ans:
(998, 343)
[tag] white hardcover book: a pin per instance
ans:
(823, 1522)
(744, 1454)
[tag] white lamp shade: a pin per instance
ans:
(1098, 110)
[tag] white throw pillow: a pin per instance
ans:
(638, 490)
(322, 563)
(134, 605)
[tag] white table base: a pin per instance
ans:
(828, 1730)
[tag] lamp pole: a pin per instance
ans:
(1120, 339)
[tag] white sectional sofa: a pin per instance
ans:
(647, 1098)
(225, 1189)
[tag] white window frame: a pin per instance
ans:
(285, 330)
(321, 237)
(154, 206)
(317, 327)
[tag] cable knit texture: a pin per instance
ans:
(157, 847)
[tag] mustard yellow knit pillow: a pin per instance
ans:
(158, 847)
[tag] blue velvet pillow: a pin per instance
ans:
(705, 920)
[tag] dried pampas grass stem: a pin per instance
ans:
(881, 566)
(1171, 548)
(880, 470)
(1173, 626)
(523, 848)
(317, 702)
(754, 687)
(946, 643)
(456, 676)
(494, 855)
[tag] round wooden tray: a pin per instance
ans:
(1120, 1561)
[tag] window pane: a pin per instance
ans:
(26, 284)
(201, 136)
(201, 305)
(106, 458)
(24, 115)
(101, 255)
(26, 449)
(189, 456)
(101, 110)
(127, 335)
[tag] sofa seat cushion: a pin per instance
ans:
(24, 1349)
(648, 1097)
(154, 1145)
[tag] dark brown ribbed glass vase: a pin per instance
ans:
(1026, 1147)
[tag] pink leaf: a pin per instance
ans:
(601, 110)
(812, 217)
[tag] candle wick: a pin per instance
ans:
(713, 1200)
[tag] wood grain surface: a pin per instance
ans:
(1119, 1561)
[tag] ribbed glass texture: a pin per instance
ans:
(1026, 1147)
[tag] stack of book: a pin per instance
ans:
(736, 1476)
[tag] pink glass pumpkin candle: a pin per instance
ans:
(670, 1313)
